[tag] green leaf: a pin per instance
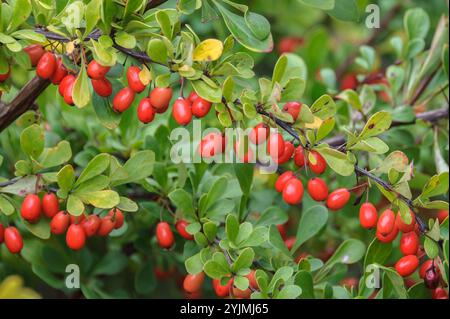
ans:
(164, 23)
(5, 206)
(21, 11)
(194, 264)
(218, 267)
(57, 155)
(319, 4)
(312, 221)
(377, 124)
(207, 92)
(32, 140)
(96, 166)
(111, 264)
(144, 160)
(244, 260)
(41, 229)
(338, 161)
(101, 199)
(216, 192)
(304, 280)
(125, 40)
(189, 6)
(325, 128)
(258, 24)
(352, 98)
(244, 174)
(66, 180)
(416, 23)
(324, 107)
(127, 205)
(431, 248)
(81, 93)
(232, 227)
(276, 241)
(183, 201)
(75, 206)
(289, 292)
(345, 10)
(157, 51)
(92, 15)
(272, 215)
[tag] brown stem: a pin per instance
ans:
(154, 3)
(423, 86)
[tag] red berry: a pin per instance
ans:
(35, 52)
(222, 291)
(181, 111)
(289, 44)
(409, 243)
(407, 265)
(282, 230)
(46, 65)
(193, 283)
(96, 71)
(91, 225)
(402, 226)
(68, 98)
(389, 237)
(299, 156)
(293, 108)
(59, 223)
(241, 294)
(386, 222)
(287, 153)
(60, 72)
(76, 219)
(160, 98)
(252, 279)
(50, 205)
(442, 215)
(5, 76)
(293, 191)
(259, 133)
(181, 228)
(123, 99)
(164, 235)
(107, 225)
(75, 237)
(320, 164)
(211, 145)
(2, 233)
(425, 266)
(317, 189)
(134, 82)
(117, 217)
(290, 242)
(68, 79)
(13, 240)
(275, 145)
(338, 199)
(282, 180)
(439, 293)
(31, 208)
(145, 111)
(200, 107)
(193, 96)
(432, 278)
(368, 216)
(349, 82)
(102, 87)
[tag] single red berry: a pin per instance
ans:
(68, 79)
(123, 99)
(282, 230)
(282, 180)
(96, 71)
(290, 242)
(76, 219)
(145, 111)
(368, 216)
(289, 44)
(259, 134)
(50, 205)
(299, 156)
(293, 108)
(60, 72)
(439, 293)
(349, 82)
(402, 226)
(13, 240)
(409, 243)
(442, 215)
(430, 263)
(222, 291)
(181, 228)
(31, 208)
(91, 225)
(407, 265)
(117, 216)
(193, 96)
(241, 294)
(182, 112)
(5, 76)
(134, 82)
(338, 199)
(389, 237)
(200, 107)
(35, 52)
(107, 225)
(293, 191)
(386, 222)
(102, 87)
(164, 235)
(211, 145)
(59, 223)
(275, 145)
(432, 278)
(252, 279)
(317, 189)
(287, 153)
(68, 97)
(320, 164)
(160, 98)
(46, 65)
(75, 237)
(193, 283)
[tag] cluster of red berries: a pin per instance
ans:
(164, 234)
(184, 109)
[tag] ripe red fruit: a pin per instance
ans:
(368, 216)
(386, 222)
(407, 265)
(282, 180)
(402, 226)
(164, 235)
(389, 237)
(222, 291)
(107, 225)
(193, 96)
(60, 72)
(31, 208)
(102, 87)
(59, 223)
(76, 219)
(13, 240)
(200, 107)
(287, 153)
(68, 93)
(68, 79)
(211, 145)
(117, 217)
(243, 155)
(123, 99)
(134, 82)
(432, 278)
(241, 294)
(299, 156)
(181, 111)
(275, 145)
(46, 65)
(35, 52)
(50, 205)
(293, 108)
(75, 237)
(96, 71)
(290, 242)
(282, 231)
(181, 228)
(145, 111)
(5, 76)
(409, 243)
(425, 266)
(293, 191)
(252, 279)
(338, 199)
(317, 189)
(193, 283)
(320, 164)
(160, 98)
(289, 44)
(259, 133)
(442, 215)
(349, 82)
(439, 293)
(2, 233)
(91, 225)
